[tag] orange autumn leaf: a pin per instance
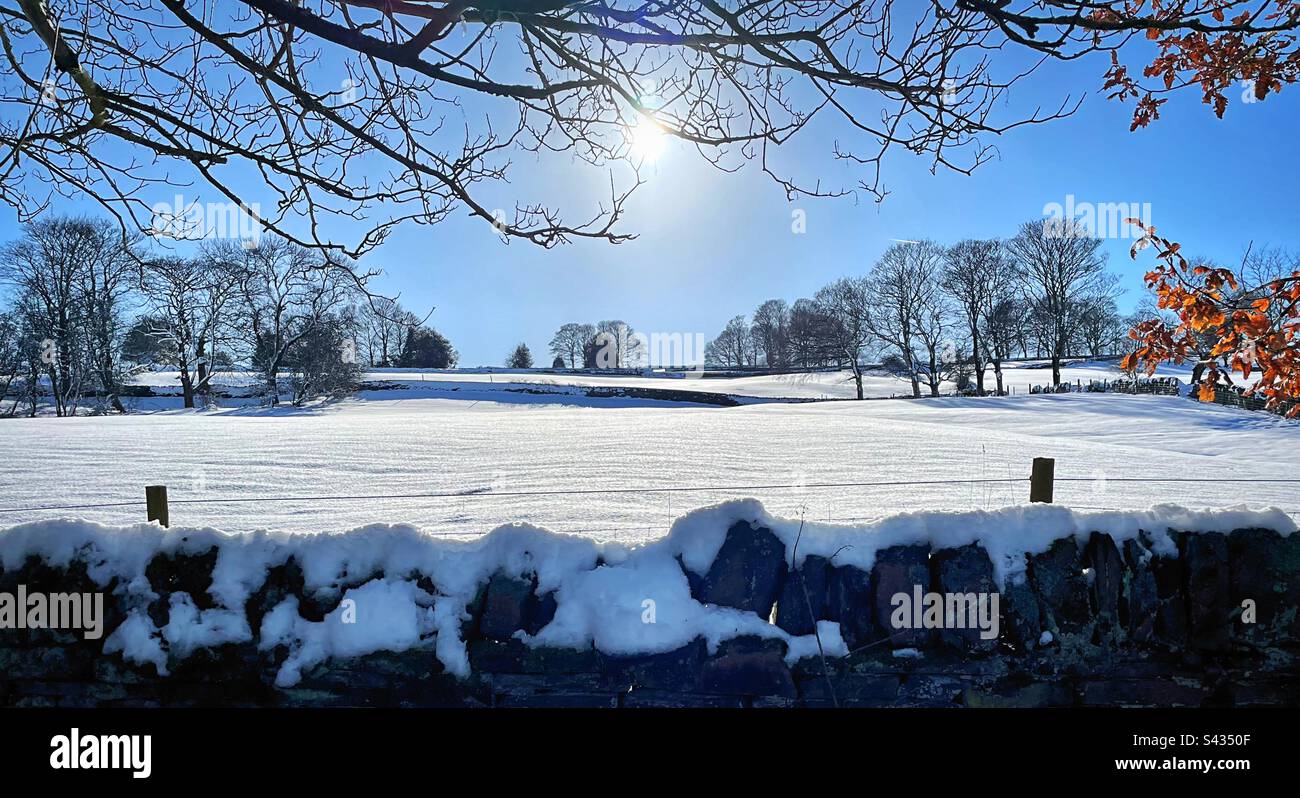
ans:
(1253, 331)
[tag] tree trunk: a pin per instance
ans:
(109, 381)
(976, 360)
(65, 387)
(56, 389)
(202, 364)
(187, 387)
(33, 389)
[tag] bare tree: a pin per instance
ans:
(1099, 327)
(107, 283)
(809, 335)
(48, 265)
(342, 106)
(617, 345)
(1060, 268)
(285, 291)
(14, 355)
(904, 291)
(734, 346)
(1000, 329)
(384, 326)
(415, 106)
(315, 363)
(845, 305)
(941, 354)
(1262, 265)
(771, 332)
(570, 341)
(977, 275)
(190, 303)
(31, 354)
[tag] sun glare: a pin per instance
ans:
(646, 139)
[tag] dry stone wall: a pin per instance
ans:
(1092, 623)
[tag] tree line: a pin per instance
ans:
(931, 313)
(85, 308)
(609, 344)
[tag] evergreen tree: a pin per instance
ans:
(521, 358)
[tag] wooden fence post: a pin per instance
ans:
(155, 500)
(1041, 480)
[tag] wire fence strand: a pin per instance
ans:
(71, 507)
(650, 490)
(1181, 479)
(522, 493)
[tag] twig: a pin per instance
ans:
(803, 585)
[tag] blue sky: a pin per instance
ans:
(712, 245)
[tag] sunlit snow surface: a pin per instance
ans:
(600, 467)
(1018, 377)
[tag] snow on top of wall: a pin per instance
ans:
(1007, 534)
(622, 600)
(328, 560)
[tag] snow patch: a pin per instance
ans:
(189, 628)
(138, 641)
(805, 646)
(381, 615)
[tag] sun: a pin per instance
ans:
(646, 139)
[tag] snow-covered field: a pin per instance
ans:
(1018, 377)
(619, 470)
